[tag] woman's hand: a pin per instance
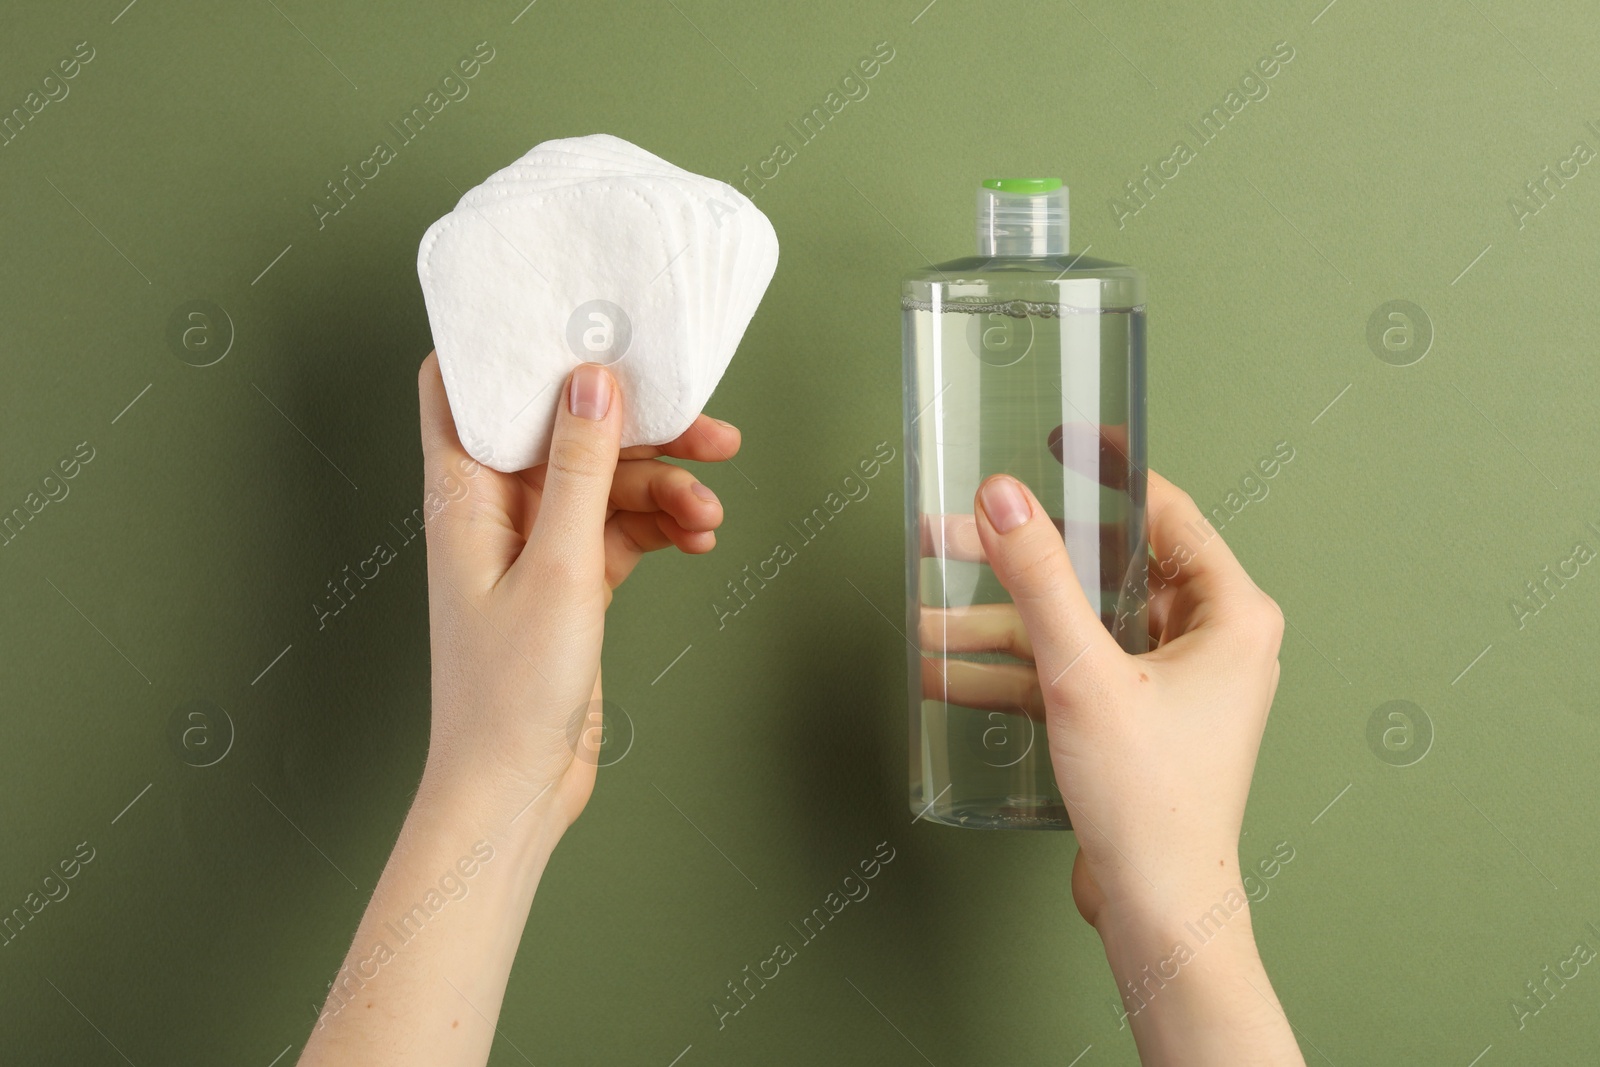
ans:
(520, 571)
(1154, 754)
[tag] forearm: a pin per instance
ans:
(1194, 988)
(425, 976)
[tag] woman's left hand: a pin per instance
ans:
(521, 568)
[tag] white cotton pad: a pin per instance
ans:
(589, 249)
(705, 262)
(504, 306)
(603, 146)
(759, 245)
(740, 285)
(574, 160)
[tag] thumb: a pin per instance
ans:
(1071, 645)
(583, 457)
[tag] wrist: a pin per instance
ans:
(1193, 987)
(1163, 933)
(523, 822)
(1198, 887)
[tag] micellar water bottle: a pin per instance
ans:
(1027, 361)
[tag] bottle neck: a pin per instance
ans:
(1015, 224)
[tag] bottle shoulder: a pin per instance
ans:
(1027, 277)
(1068, 264)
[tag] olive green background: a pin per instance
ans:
(191, 548)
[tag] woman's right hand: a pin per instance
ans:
(1153, 754)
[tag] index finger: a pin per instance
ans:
(442, 451)
(707, 440)
(1188, 551)
(1098, 451)
(952, 537)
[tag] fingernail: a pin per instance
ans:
(703, 492)
(1005, 503)
(590, 392)
(722, 422)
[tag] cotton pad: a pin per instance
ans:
(589, 249)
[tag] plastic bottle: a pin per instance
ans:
(1029, 361)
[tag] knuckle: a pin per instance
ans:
(1264, 624)
(576, 457)
(1185, 502)
(1057, 692)
(630, 544)
(1273, 615)
(1034, 702)
(1033, 569)
(670, 480)
(1016, 640)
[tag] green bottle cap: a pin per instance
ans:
(1029, 186)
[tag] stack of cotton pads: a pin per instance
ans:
(589, 250)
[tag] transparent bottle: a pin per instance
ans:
(1026, 361)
